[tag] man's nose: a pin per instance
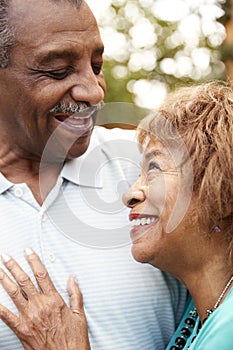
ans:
(89, 87)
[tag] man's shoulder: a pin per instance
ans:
(113, 149)
(115, 142)
(103, 134)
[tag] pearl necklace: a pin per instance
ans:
(209, 311)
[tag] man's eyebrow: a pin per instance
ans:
(55, 55)
(65, 54)
(99, 50)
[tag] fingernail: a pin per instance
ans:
(1, 274)
(5, 257)
(72, 282)
(28, 251)
(74, 278)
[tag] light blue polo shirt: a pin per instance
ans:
(82, 229)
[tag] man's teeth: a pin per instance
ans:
(79, 108)
(142, 221)
(75, 116)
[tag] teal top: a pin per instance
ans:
(216, 333)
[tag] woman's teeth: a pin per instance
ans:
(142, 221)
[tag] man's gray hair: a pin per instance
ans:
(7, 34)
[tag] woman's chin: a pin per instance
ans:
(139, 254)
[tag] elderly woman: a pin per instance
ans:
(182, 207)
(181, 214)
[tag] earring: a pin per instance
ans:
(217, 228)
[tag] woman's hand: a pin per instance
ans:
(44, 322)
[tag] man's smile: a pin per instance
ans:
(79, 117)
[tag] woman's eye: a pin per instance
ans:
(154, 166)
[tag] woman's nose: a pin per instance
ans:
(132, 197)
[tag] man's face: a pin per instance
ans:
(55, 69)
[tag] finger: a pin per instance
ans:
(20, 276)
(76, 299)
(26, 346)
(13, 291)
(13, 322)
(41, 274)
(9, 318)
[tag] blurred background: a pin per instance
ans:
(154, 46)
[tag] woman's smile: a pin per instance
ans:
(141, 223)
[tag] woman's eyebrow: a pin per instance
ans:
(153, 153)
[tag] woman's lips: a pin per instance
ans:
(141, 223)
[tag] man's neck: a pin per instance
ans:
(40, 180)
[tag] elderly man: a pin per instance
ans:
(58, 197)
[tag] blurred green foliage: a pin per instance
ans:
(170, 45)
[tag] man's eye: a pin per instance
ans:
(97, 69)
(154, 166)
(60, 74)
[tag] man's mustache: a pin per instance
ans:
(81, 108)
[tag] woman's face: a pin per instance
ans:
(160, 207)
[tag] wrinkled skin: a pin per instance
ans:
(56, 60)
(44, 321)
(59, 61)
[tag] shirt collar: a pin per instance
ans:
(4, 184)
(83, 170)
